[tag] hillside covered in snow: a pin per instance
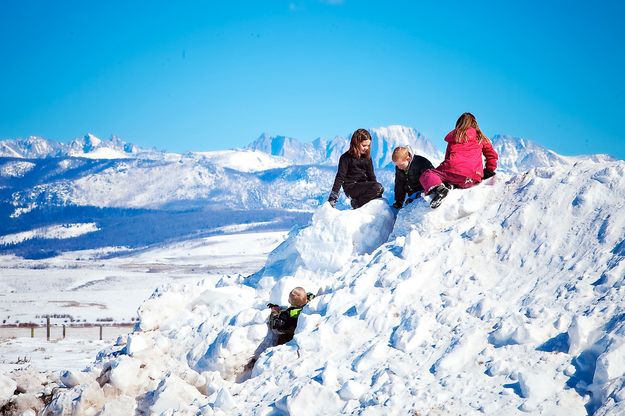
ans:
(508, 299)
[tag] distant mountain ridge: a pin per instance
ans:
(108, 182)
(272, 172)
(88, 146)
(518, 154)
(515, 154)
(327, 152)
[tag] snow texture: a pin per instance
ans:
(508, 299)
(53, 232)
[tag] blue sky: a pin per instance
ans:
(208, 75)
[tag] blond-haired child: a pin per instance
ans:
(284, 321)
(408, 169)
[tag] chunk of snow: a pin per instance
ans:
(314, 399)
(7, 388)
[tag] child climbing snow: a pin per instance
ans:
(463, 166)
(408, 169)
(284, 321)
(355, 173)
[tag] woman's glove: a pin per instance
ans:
(334, 196)
(488, 173)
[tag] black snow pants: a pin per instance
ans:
(363, 192)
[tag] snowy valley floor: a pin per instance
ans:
(93, 289)
(90, 288)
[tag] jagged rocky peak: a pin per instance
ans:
(32, 147)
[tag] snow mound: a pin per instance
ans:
(332, 239)
(507, 299)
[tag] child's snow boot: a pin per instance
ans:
(438, 194)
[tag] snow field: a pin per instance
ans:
(90, 287)
(15, 168)
(244, 160)
(51, 232)
(505, 300)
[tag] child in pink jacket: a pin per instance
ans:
(463, 166)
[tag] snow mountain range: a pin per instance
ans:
(45, 183)
(327, 152)
(88, 146)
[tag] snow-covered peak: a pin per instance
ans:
(88, 146)
(244, 160)
(327, 152)
(32, 147)
(91, 141)
(282, 146)
(518, 154)
(386, 139)
(103, 153)
(92, 147)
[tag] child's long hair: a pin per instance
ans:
(465, 121)
(358, 137)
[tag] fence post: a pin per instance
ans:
(48, 328)
(100, 332)
(63, 331)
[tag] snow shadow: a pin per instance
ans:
(516, 388)
(268, 342)
(585, 365)
(559, 343)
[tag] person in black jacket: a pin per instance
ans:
(283, 322)
(408, 169)
(355, 173)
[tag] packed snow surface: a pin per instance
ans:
(109, 284)
(101, 153)
(508, 299)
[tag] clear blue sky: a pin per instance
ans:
(207, 75)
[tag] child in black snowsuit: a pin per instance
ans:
(355, 173)
(408, 169)
(284, 321)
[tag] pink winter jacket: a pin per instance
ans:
(466, 158)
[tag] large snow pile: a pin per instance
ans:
(508, 299)
(333, 239)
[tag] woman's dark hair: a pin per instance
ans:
(358, 137)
